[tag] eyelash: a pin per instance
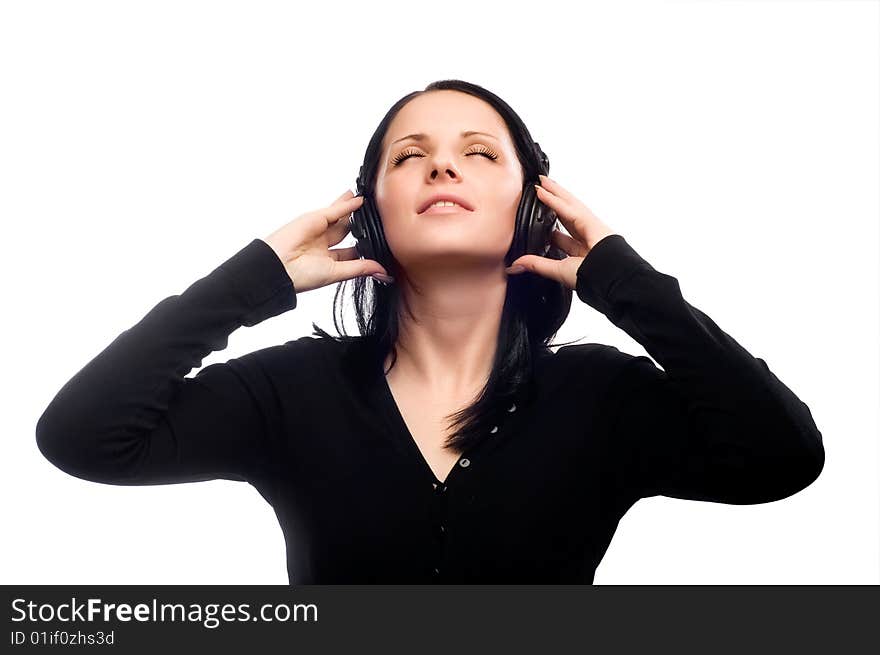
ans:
(407, 154)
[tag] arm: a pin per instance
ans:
(130, 417)
(716, 425)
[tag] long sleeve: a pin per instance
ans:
(715, 424)
(130, 417)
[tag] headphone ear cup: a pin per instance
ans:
(356, 223)
(366, 226)
(538, 223)
(535, 221)
(548, 218)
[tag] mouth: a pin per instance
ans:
(446, 202)
(445, 209)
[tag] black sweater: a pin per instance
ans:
(313, 426)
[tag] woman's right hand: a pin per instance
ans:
(303, 246)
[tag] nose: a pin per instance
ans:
(449, 172)
(447, 167)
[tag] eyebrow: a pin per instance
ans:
(421, 137)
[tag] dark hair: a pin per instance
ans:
(534, 307)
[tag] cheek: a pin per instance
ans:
(506, 206)
(394, 201)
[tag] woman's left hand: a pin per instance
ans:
(585, 229)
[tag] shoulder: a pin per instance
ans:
(309, 354)
(305, 363)
(598, 357)
(603, 366)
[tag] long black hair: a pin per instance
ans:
(534, 307)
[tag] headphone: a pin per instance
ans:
(531, 236)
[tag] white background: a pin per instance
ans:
(733, 144)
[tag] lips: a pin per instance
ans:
(445, 196)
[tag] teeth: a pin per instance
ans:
(445, 203)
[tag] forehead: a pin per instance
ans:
(445, 115)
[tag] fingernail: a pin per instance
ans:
(385, 279)
(516, 268)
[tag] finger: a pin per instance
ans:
(342, 207)
(560, 206)
(547, 196)
(337, 231)
(555, 188)
(543, 266)
(330, 209)
(344, 254)
(348, 269)
(348, 195)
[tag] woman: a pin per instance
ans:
(350, 438)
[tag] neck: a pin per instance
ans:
(451, 345)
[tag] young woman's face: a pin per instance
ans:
(482, 169)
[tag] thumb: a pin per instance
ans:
(348, 269)
(542, 266)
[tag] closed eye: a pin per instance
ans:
(400, 158)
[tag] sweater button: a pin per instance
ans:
(464, 462)
(493, 430)
(512, 408)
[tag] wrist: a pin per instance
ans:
(276, 248)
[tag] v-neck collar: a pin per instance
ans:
(400, 432)
(368, 371)
(364, 365)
